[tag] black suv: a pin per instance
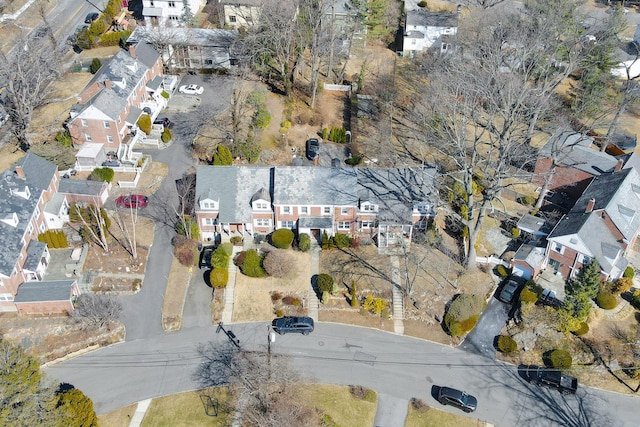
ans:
(313, 148)
(288, 324)
(457, 398)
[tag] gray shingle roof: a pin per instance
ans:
(573, 149)
(431, 19)
(532, 255)
(121, 68)
(56, 290)
(315, 186)
(78, 186)
(38, 175)
(35, 251)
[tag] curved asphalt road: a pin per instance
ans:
(398, 367)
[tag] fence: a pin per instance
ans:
(493, 260)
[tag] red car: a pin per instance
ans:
(132, 201)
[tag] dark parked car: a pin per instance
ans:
(313, 148)
(91, 17)
(205, 256)
(164, 121)
(132, 201)
(623, 141)
(289, 324)
(457, 398)
(509, 291)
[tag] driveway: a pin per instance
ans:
(197, 305)
(490, 323)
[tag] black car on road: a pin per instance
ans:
(289, 324)
(313, 148)
(457, 398)
(91, 17)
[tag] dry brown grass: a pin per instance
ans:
(175, 295)
(9, 155)
(252, 295)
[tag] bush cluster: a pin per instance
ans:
(635, 299)
(559, 359)
(629, 272)
(506, 344)
(362, 393)
(606, 300)
(236, 240)
(528, 296)
(419, 405)
(222, 156)
(252, 264)
(102, 175)
(304, 242)
(219, 277)
(55, 239)
(185, 250)
(95, 65)
(502, 270)
(463, 313)
(353, 160)
(338, 135)
(583, 328)
(324, 282)
(190, 224)
(621, 285)
(277, 263)
(114, 38)
(292, 300)
(220, 258)
(144, 123)
(375, 305)
(282, 238)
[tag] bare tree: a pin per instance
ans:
(186, 187)
(96, 311)
(129, 236)
(94, 225)
(268, 382)
(26, 72)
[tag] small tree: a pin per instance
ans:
(220, 258)
(353, 295)
(95, 65)
(587, 281)
(325, 282)
(219, 277)
(102, 175)
(166, 135)
(325, 240)
(222, 156)
(506, 344)
(277, 263)
(606, 300)
(144, 123)
(559, 359)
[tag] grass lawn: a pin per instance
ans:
(337, 402)
(187, 409)
(118, 418)
(436, 417)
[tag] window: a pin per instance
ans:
(557, 247)
(209, 205)
(41, 228)
(174, 18)
(286, 209)
(326, 210)
(286, 224)
(107, 125)
(6, 297)
(344, 225)
(304, 210)
(84, 123)
(584, 259)
(367, 224)
(344, 211)
(87, 137)
(208, 221)
(261, 206)
(368, 207)
(172, 4)
(36, 212)
(445, 47)
(263, 222)
(208, 62)
(413, 41)
(232, 18)
(109, 139)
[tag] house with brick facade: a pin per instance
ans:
(386, 204)
(108, 108)
(603, 225)
(30, 204)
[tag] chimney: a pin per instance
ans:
(132, 51)
(107, 84)
(20, 172)
(590, 205)
(618, 165)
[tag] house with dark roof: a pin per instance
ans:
(108, 108)
(602, 225)
(190, 48)
(428, 30)
(386, 204)
(30, 204)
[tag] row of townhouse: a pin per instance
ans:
(34, 199)
(386, 204)
(597, 197)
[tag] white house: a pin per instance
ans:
(427, 30)
(169, 11)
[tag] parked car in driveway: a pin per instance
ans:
(509, 291)
(293, 324)
(132, 201)
(205, 256)
(313, 148)
(191, 89)
(164, 121)
(457, 398)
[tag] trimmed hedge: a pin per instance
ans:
(606, 300)
(282, 238)
(528, 296)
(220, 258)
(560, 359)
(629, 272)
(113, 38)
(583, 328)
(463, 313)
(502, 270)
(252, 264)
(219, 277)
(144, 123)
(55, 239)
(506, 344)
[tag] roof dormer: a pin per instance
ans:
(23, 192)
(209, 205)
(10, 219)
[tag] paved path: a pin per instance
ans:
(312, 297)
(397, 297)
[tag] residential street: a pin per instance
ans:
(396, 366)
